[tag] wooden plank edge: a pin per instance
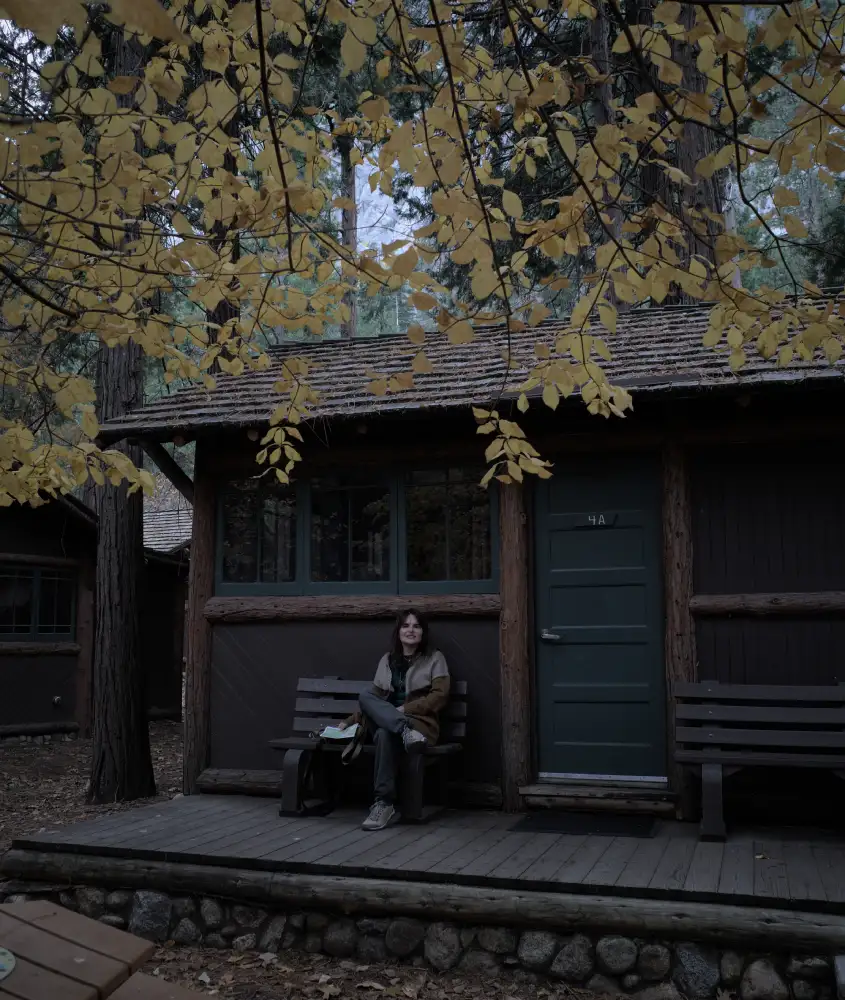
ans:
(806, 603)
(684, 919)
(233, 610)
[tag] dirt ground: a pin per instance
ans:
(43, 786)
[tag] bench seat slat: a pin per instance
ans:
(725, 736)
(333, 685)
(751, 758)
(803, 694)
(815, 716)
(303, 743)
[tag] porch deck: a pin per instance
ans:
(777, 869)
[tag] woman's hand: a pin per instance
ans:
(400, 708)
(342, 725)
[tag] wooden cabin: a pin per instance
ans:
(47, 576)
(701, 537)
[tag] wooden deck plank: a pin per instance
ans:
(269, 844)
(432, 855)
(671, 872)
(168, 827)
(369, 855)
(31, 982)
(802, 873)
(612, 863)
(582, 859)
(705, 869)
(323, 851)
(326, 835)
(553, 858)
(222, 835)
(469, 852)
(410, 853)
(69, 926)
(516, 864)
(737, 875)
(342, 855)
(641, 866)
(72, 961)
(770, 878)
(510, 844)
(830, 862)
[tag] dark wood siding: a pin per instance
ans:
(30, 683)
(45, 531)
(162, 637)
(769, 520)
(255, 669)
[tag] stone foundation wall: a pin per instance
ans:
(608, 964)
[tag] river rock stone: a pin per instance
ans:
(603, 986)
(805, 989)
(574, 961)
(291, 939)
(654, 962)
(616, 955)
(296, 921)
(404, 936)
(186, 932)
(215, 940)
(340, 939)
(537, 949)
(118, 922)
(762, 981)
(68, 900)
(229, 931)
(499, 940)
(313, 942)
(477, 962)
(247, 917)
(731, 967)
(373, 925)
(91, 902)
(442, 946)
(244, 942)
(696, 972)
(468, 936)
(118, 901)
(371, 950)
(808, 967)
(212, 914)
(631, 982)
(150, 915)
(271, 936)
(660, 991)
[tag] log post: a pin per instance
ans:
(85, 640)
(678, 589)
(198, 630)
(514, 660)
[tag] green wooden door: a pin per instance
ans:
(600, 680)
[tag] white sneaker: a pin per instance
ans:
(381, 815)
(412, 740)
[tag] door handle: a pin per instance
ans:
(547, 636)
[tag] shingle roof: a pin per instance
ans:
(167, 530)
(653, 350)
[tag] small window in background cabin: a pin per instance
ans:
(56, 603)
(350, 531)
(17, 589)
(37, 603)
(447, 526)
(258, 533)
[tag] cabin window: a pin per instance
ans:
(350, 531)
(447, 526)
(36, 604)
(415, 532)
(258, 533)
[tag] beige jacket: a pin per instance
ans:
(426, 691)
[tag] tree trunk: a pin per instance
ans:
(349, 228)
(121, 766)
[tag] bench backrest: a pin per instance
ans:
(325, 701)
(783, 721)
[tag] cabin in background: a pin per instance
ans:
(47, 578)
(702, 537)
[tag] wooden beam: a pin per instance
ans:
(50, 562)
(231, 610)
(169, 467)
(809, 603)
(514, 660)
(38, 729)
(198, 629)
(39, 648)
(679, 652)
(772, 928)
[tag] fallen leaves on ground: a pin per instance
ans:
(44, 784)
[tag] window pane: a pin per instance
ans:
(55, 605)
(16, 589)
(448, 527)
(350, 532)
(278, 537)
(240, 532)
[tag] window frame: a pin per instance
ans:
(398, 584)
(35, 635)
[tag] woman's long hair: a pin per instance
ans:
(396, 653)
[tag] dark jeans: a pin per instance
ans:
(387, 724)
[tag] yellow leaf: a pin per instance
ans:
(422, 300)
(416, 334)
(123, 84)
(785, 197)
(405, 263)
(794, 226)
(484, 283)
(567, 144)
(608, 316)
(461, 333)
(421, 365)
(522, 403)
(147, 16)
(512, 204)
(352, 52)
(551, 397)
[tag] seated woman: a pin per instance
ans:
(410, 689)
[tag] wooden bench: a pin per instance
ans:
(325, 701)
(722, 728)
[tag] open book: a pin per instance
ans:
(333, 733)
